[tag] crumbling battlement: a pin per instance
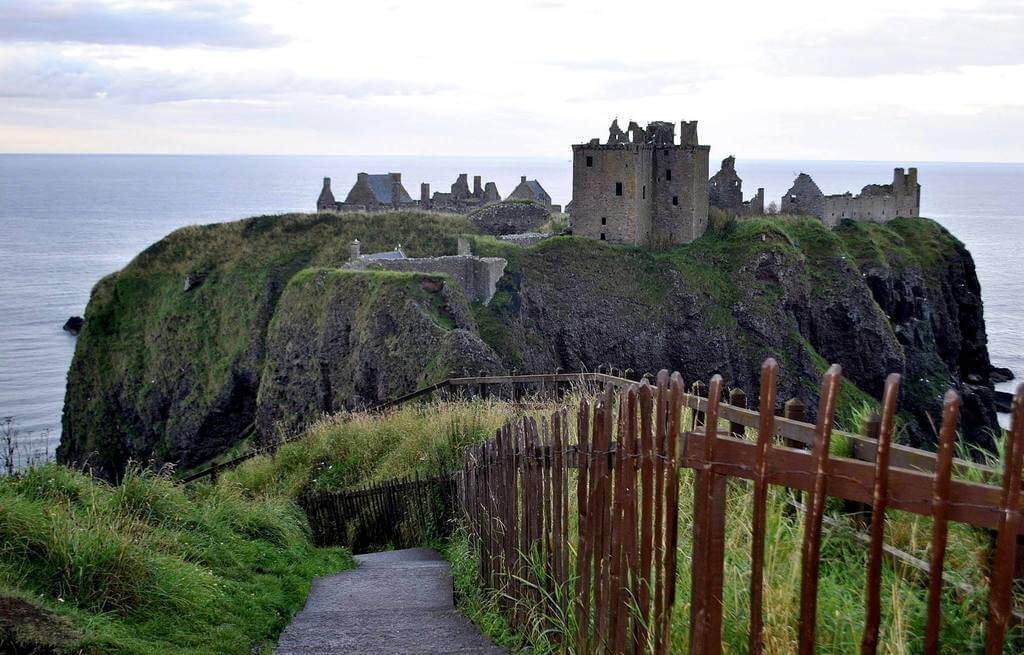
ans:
(876, 202)
(641, 187)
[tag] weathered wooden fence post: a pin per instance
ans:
(482, 385)
(737, 398)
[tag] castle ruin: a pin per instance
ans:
(478, 276)
(641, 187)
(725, 191)
(876, 202)
(533, 191)
(460, 199)
(375, 192)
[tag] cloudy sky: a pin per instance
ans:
(872, 79)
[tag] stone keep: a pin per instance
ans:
(641, 187)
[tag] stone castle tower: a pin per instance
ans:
(641, 187)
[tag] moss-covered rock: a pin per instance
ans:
(346, 339)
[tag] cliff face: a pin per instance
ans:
(169, 363)
(214, 328)
(788, 288)
(343, 340)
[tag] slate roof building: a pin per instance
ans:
(532, 190)
(371, 192)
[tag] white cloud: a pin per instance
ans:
(207, 23)
(914, 80)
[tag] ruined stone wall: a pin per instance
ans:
(725, 189)
(510, 217)
(804, 197)
(526, 239)
(598, 212)
(478, 276)
(878, 208)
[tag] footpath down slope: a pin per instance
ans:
(395, 602)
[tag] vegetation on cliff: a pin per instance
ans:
(274, 333)
(147, 567)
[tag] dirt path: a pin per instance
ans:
(396, 602)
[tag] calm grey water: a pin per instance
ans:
(67, 220)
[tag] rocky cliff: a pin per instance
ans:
(217, 327)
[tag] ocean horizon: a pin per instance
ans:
(68, 220)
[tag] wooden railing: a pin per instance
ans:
(790, 427)
(615, 584)
(399, 513)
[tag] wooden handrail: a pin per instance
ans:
(863, 448)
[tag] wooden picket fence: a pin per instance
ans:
(399, 513)
(612, 590)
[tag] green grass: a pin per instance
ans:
(150, 567)
(344, 450)
(141, 324)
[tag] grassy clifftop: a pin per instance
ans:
(270, 331)
(163, 372)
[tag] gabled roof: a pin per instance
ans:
(537, 189)
(380, 184)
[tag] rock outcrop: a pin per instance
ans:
(375, 336)
(277, 335)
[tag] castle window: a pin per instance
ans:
(604, 220)
(618, 188)
(668, 174)
(643, 191)
(590, 161)
(602, 237)
(675, 200)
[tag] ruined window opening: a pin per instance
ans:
(604, 220)
(643, 192)
(668, 174)
(618, 188)
(590, 161)
(675, 200)
(602, 237)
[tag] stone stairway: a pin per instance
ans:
(395, 602)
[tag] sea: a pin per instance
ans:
(68, 220)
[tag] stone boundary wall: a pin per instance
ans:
(525, 239)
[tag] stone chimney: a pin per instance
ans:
(463, 247)
(425, 194)
(522, 179)
(396, 189)
(326, 200)
(478, 189)
(353, 250)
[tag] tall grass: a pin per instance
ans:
(349, 449)
(147, 567)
